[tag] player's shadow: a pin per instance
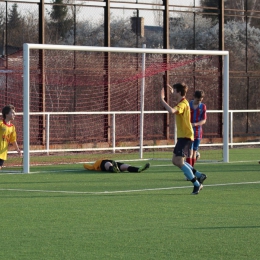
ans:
(232, 227)
(95, 173)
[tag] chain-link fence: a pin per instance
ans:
(202, 25)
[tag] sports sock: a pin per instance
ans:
(111, 169)
(132, 169)
(188, 165)
(193, 162)
(188, 160)
(187, 171)
(195, 182)
(195, 172)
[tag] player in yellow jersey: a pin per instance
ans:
(7, 133)
(113, 166)
(185, 134)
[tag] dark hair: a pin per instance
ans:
(181, 87)
(6, 110)
(199, 94)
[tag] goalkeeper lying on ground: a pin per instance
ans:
(112, 166)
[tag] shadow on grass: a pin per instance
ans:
(234, 227)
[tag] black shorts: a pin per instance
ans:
(1, 162)
(182, 147)
(102, 165)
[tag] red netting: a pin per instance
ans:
(67, 81)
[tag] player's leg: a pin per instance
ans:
(197, 155)
(196, 144)
(201, 177)
(129, 168)
(189, 159)
(181, 151)
(1, 164)
(109, 165)
(123, 166)
(144, 167)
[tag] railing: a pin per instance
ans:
(113, 114)
(231, 112)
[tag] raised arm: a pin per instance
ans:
(165, 104)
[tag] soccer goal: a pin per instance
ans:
(81, 103)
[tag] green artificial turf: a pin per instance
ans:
(65, 212)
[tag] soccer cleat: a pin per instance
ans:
(197, 156)
(115, 167)
(145, 167)
(197, 189)
(202, 178)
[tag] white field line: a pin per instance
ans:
(125, 191)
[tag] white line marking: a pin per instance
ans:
(127, 191)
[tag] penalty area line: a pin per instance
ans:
(124, 191)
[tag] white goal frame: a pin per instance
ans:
(26, 85)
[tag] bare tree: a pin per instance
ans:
(236, 10)
(158, 14)
(60, 23)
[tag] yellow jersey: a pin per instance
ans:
(184, 127)
(94, 167)
(7, 135)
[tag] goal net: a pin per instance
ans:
(83, 103)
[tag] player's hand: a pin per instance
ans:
(170, 88)
(20, 153)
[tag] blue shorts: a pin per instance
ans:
(195, 145)
(182, 147)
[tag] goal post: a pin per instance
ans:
(75, 76)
